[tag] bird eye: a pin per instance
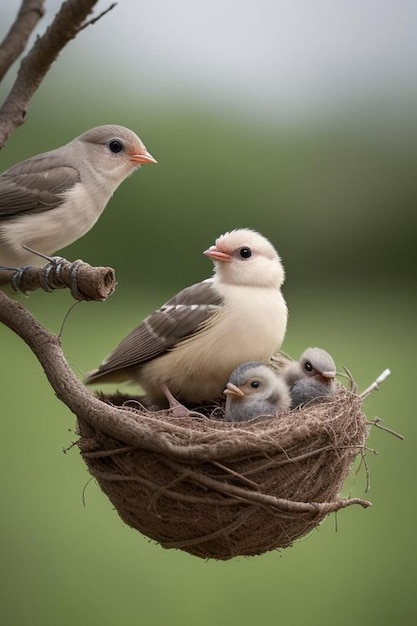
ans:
(308, 367)
(245, 252)
(255, 384)
(115, 146)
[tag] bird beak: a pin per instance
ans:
(142, 157)
(328, 375)
(217, 255)
(233, 390)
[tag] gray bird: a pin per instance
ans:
(254, 390)
(194, 341)
(311, 377)
(54, 198)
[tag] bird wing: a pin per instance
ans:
(34, 186)
(179, 318)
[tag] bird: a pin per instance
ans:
(254, 389)
(54, 198)
(194, 341)
(313, 376)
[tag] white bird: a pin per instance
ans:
(254, 390)
(194, 341)
(311, 377)
(54, 198)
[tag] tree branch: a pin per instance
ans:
(66, 25)
(31, 11)
(98, 17)
(86, 282)
(47, 348)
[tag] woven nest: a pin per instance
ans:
(217, 489)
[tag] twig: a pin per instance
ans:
(375, 385)
(348, 374)
(280, 504)
(98, 17)
(377, 422)
(30, 12)
(66, 25)
(84, 281)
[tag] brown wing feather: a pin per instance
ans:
(176, 320)
(35, 185)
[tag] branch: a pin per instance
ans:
(86, 282)
(66, 25)
(31, 11)
(98, 17)
(47, 348)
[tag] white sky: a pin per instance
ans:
(278, 57)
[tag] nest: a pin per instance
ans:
(217, 489)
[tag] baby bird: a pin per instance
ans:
(254, 390)
(311, 377)
(192, 343)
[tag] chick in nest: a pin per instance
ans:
(312, 377)
(253, 390)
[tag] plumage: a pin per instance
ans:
(52, 199)
(311, 377)
(309, 390)
(254, 390)
(194, 341)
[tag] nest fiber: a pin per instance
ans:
(217, 489)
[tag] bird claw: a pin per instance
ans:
(54, 264)
(177, 409)
(16, 279)
(49, 275)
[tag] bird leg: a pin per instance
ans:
(54, 263)
(50, 259)
(177, 409)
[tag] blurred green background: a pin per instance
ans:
(336, 194)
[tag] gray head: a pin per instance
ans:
(255, 379)
(114, 144)
(243, 372)
(319, 363)
(254, 390)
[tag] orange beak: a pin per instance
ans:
(217, 255)
(233, 390)
(142, 157)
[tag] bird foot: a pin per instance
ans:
(49, 276)
(177, 409)
(54, 264)
(16, 279)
